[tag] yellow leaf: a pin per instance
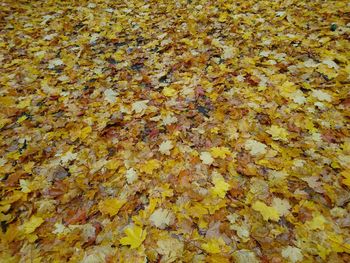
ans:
(198, 210)
(346, 175)
(323, 252)
(262, 88)
(14, 155)
(152, 205)
(33, 223)
(134, 236)
(85, 132)
(11, 199)
(337, 243)
(309, 125)
(287, 88)
(113, 164)
(318, 221)
(10, 234)
(169, 92)
(111, 206)
(5, 208)
(4, 122)
(325, 70)
(220, 152)
(22, 118)
(212, 246)
(24, 103)
(118, 55)
(4, 217)
(7, 101)
(25, 186)
(278, 133)
(217, 258)
(221, 187)
(150, 166)
(28, 167)
(266, 211)
(117, 28)
(222, 17)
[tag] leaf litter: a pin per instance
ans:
(174, 131)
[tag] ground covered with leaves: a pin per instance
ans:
(175, 131)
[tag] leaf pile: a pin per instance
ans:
(175, 131)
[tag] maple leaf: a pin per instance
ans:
(245, 256)
(33, 223)
(206, 158)
(298, 97)
(140, 106)
(68, 156)
(221, 187)
(169, 92)
(111, 206)
(223, 17)
(293, 254)
(25, 186)
(60, 229)
(55, 62)
(318, 222)
(165, 147)
(278, 133)
(287, 88)
(169, 119)
(220, 152)
(229, 52)
(330, 63)
(321, 95)
(110, 95)
(170, 248)
(150, 166)
(267, 212)
(161, 218)
(135, 236)
(255, 148)
(346, 175)
(212, 246)
(281, 205)
(131, 175)
(85, 132)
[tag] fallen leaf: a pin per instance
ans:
(111, 206)
(206, 158)
(135, 236)
(267, 212)
(255, 148)
(165, 147)
(293, 254)
(161, 218)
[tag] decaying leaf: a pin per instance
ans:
(161, 218)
